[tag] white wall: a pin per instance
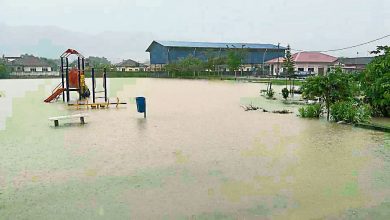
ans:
(51, 73)
(316, 66)
(130, 69)
(37, 69)
(306, 66)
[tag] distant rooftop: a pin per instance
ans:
(308, 57)
(129, 63)
(215, 45)
(355, 60)
(30, 61)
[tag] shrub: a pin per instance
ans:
(331, 88)
(270, 93)
(350, 112)
(310, 111)
(285, 93)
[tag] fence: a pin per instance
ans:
(35, 74)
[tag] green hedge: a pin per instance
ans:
(350, 112)
(310, 111)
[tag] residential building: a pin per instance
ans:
(354, 64)
(306, 62)
(165, 52)
(130, 66)
(29, 63)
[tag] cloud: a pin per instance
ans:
(48, 41)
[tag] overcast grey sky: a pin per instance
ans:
(305, 24)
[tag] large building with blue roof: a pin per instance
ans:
(165, 52)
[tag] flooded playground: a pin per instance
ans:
(197, 155)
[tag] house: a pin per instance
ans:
(306, 62)
(9, 58)
(354, 64)
(29, 64)
(165, 52)
(130, 66)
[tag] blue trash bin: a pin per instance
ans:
(141, 104)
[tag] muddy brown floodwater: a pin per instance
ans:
(197, 155)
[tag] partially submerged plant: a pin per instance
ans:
(285, 93)
(270, 93)
(310, 111)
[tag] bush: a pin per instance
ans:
(3, 72)
(270, 93)
(375, 82)
(285, 93)
(350, 112)
(310, 111)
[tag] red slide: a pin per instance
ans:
(55, 94)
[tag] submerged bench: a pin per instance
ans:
(56, 119)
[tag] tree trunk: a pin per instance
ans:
(286, 82)
(293, 88)
(327, 112)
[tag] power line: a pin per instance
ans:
(346, 48)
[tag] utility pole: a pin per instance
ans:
(168, 59)
(235, 71)
(356, 60)
(194, 57)
(277, 70)
(262, 66)
(241, 56)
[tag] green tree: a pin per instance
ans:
(233, 61)
(53, 63)
(211, 59)
(213, 64)
(289, 66)
(331, 88)
(375, 82)
(186, 65)
(3, 71)
(95, 62)
(172, 67)
(192, 64)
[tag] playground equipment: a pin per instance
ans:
(72, 79)
(94, 92)
(97, 104)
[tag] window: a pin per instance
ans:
(301, 69)
(44, 69)
(33, 69)
(321, 70)
(123, 69)
(310, 69)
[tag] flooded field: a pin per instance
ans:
(198, 155)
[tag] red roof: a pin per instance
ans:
(308, 57)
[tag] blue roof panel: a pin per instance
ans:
(217, 45)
